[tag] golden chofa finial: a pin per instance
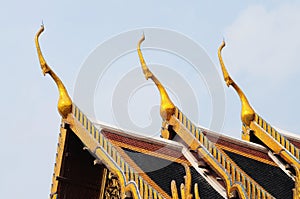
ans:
(247, 113)
(167, 108)
(64, 102)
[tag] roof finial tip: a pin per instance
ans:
(143, 36)
(223, 41)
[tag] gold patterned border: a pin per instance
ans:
(246, 155)
(58, 162)
(249, 177)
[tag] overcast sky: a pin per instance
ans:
(261, 55)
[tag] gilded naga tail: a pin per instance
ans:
(167, 108)
(64, 102)
(247, 113)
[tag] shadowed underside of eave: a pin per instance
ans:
(78, 178)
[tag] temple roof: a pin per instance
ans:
(189, 161)
(159, 161)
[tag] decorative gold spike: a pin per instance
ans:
(187, 179)
(182, 191)
(247, 113)
(174, 190)
(196, 191)
(167, 107)
(64, 102)
(185, 188)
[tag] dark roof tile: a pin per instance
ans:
(162, 172)
(272, 178)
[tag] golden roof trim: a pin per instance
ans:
(269, 162)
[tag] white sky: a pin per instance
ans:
(262, 56)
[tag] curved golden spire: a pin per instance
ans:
(167, 108)
(64, 102)
(247, 113)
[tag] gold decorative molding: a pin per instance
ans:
(103, 182)
(238, 191)
(64, 102)
(278, 143)
(185, 188)
(58, 161)
(167, 108)
(112, 187)
(296, 190)
(132, 190)
(247, 112)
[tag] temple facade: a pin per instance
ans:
(96, 161)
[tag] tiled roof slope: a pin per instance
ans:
(205, 189)
(167, 171)
(250, 157)
(143, 144)
(161, 171)
(271, 177)
(254, 160)
(161, 162)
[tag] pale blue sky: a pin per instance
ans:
(262, 56)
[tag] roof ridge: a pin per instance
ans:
(94, 140)
(184, 128)
(174, 120)
(255, 126)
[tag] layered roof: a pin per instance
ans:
(238, 182)
(256, 129)
(157, 162)
(99, 161)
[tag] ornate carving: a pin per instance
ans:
(112, 187)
